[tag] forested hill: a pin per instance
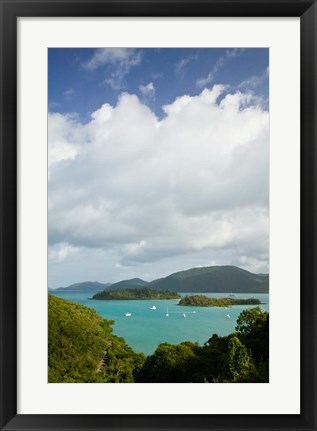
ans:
(214, 279)
(93, 286)
(82, 348)
(134, 283)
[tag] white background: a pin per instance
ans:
(281, 395)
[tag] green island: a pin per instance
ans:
(205, 301)
(143, 293)
(82, 349)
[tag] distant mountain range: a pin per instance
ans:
(226, 279)
(93, 286)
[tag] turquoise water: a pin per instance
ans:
(146, 328)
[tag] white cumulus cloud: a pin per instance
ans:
(154, 196)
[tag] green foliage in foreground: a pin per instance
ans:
(81, 347)
(240, 357)
(204, 301)
(144, 293)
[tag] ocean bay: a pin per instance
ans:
(146, 328)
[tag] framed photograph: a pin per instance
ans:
(158, 195)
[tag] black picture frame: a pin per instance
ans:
(10, 11)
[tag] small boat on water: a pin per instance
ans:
(153, 308)
(167, 312)
(127, 314)
(184, 315)
(228, 316)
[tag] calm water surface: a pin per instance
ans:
(146, 328)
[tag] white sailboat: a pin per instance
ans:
(228, 316)
(166, 311)
(153, 308)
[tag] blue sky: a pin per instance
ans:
(158, 161)
(73, 87)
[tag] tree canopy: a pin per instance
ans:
(82, 348)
